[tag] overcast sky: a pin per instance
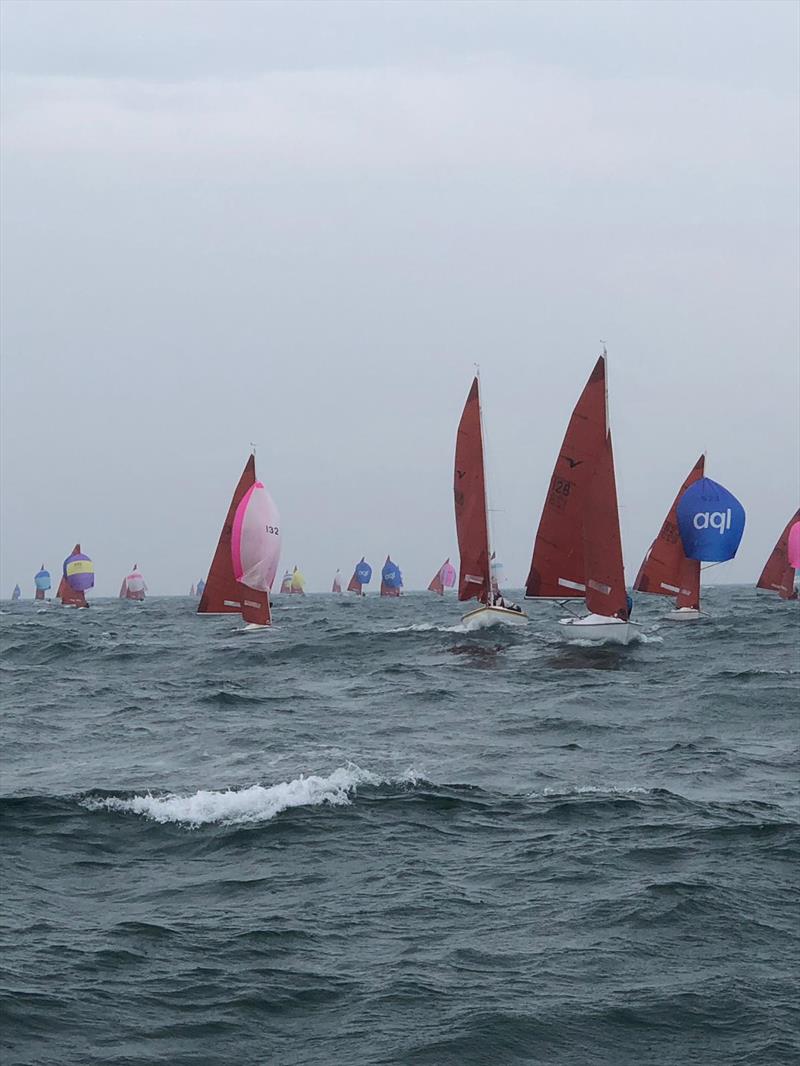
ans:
(301, 224)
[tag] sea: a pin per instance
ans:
(368, 837)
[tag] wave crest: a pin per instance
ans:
(239, 806)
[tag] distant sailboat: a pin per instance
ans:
(77, 576)
(391, 578)
(244, 564)
(192, 592)
(362, 575)
(286, 583)
(337, 583)
(444, 578)
(666, 570)
(578, 548)
(15, 595)
(42, 582)
(200, 589)
(133, 586)
(298, 584)
(472, 523)
(779, 573)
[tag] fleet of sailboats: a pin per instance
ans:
(577, 550)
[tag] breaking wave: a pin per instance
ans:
(238, 806)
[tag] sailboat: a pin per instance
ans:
(42, 582)
(200, 589)
(337, 583)
(577, 553)
(192, 592)
(298, 584)
(133, 586)
(244, 564)
(666, 570)
(778, 574)
(15, 595)
(286, 583)
(472, 523)
(77, 576)
(391, 578)
(444, 578)
(362, 575)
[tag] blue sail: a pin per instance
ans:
(391, 576)
(42, 580)
(711, 522)
(363, 572)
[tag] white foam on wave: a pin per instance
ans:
(238, 806)
(592, 790)
(427, 627)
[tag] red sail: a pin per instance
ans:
(68, 596)
(605, 574)
(354, 585)
(223, 594)
(665, 569)
(436, 583)
(39, 594)
(777, 575)
(557, 567)
(469, 489)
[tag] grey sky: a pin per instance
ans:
(301, 224)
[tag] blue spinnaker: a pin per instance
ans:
(42, 580)
(391, 576)
(363, 572)
(711, 522)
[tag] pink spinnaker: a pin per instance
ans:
(793, 546)
(256, 539)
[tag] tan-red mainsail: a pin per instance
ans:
(558, 567)
(665, 570)
(602, 541)
(437, 585)
(469, 489)
(223, 594)
(778, 575)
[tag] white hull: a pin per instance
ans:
(253, 626)
(684, 614)
(597, 627)
(484, 616)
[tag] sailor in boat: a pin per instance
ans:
(508, 605)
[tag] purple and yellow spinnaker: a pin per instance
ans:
(79, 571)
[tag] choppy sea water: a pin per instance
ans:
(368, 837)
